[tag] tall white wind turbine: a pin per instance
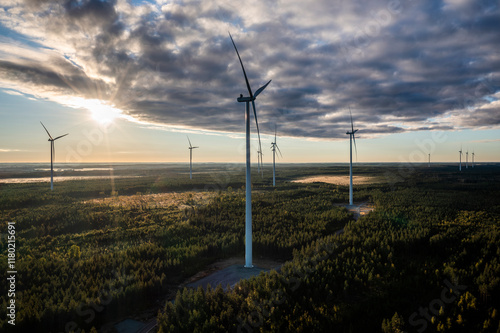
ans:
(191, 158)
(429, 160)
(274, 148)
(248, 199)
(467, 159)
(460, 163)
(52, 155)
(351, 139)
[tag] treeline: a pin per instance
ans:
(425, 260)
(82, 264)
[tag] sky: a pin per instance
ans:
(130, 80)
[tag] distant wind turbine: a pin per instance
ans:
(473, 158)
(248, 185)
(191, 158)
(460, 155)
(260, 163)
(429, 160)
(467, 159)
(274, 147)
(52, 155)
(351, 139)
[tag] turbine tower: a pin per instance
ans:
(52, 155)
(467, 159)
(274, 147)
(191, 158)
(429, 160)
(460, 163)
(351, 139)
(248, 185)
(473, 158)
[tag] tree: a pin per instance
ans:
(395, 325)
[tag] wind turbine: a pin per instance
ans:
(429, 160)
(467, 159)
(460, 164)
(248, 186)
(191, 158)
(274, 147)
(260, 163)
(351, 139)
(52, 155)
(473, 158)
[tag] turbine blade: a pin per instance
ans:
(242, 67)
(279, 151)
(355, 148)
(190, 146)
(256, 123)
(195, 147)
(50, 136)
(60, 136)
(261, 89)
(352, 124)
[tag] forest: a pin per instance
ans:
(426, 259)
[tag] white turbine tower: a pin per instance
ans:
(274, 147)
(473, 158)
(248, 186)
(351, 139)
(52, 155)
(467, 159)
(191, 158)
(460, 163)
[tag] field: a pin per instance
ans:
(96, 251)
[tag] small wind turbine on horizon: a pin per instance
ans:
(473, 158)
(460, 163)
(351, 139)
(191, 158)
(248, 184)
(467, 159)
(274, 147)
(429, 160)
(52, 155)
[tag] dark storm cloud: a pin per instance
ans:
(400, 65)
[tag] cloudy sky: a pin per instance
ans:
(130, 79)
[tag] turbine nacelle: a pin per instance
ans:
(254, 97)
(245, 99)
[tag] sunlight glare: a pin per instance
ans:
(102, 112)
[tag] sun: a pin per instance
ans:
(101, 112)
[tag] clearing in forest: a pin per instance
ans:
(180, 200)
(339, 180)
